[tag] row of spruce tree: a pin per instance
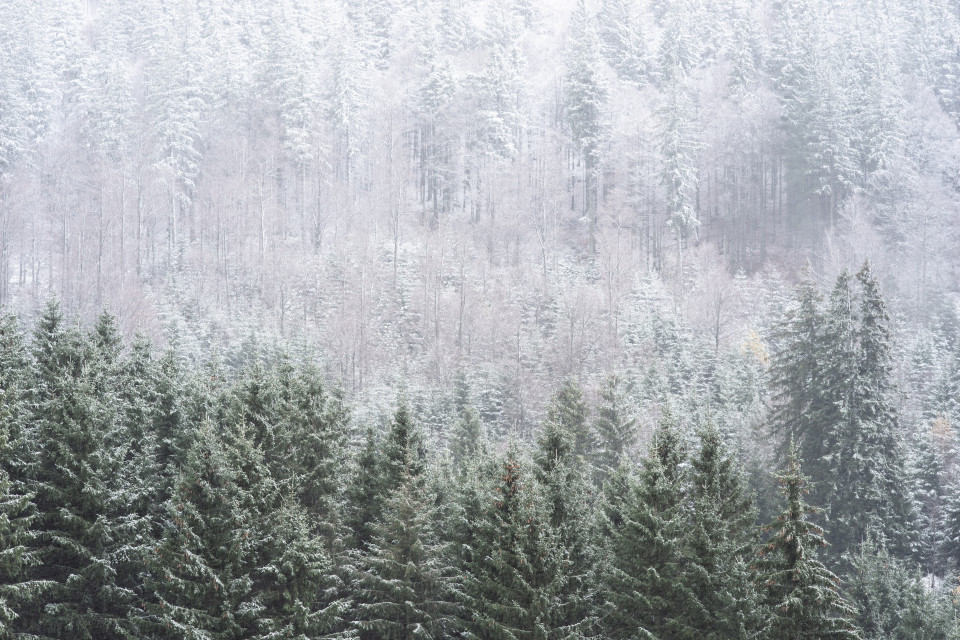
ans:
(143, 498)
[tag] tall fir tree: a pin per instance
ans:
(564, 481)
(586, 104)
(721, 544)
(511, 575)
(568, 414)
(643, 590)
(295, 574)
(615, 428)
(405, 587)
(17, 557)
(795, 372)
(75, 530)
(202, 568)
(802, 598)
(467, 437)
(892, 601)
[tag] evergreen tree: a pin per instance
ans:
(511, 572)
(568, 414)
(586, 102)
(929, 495)
(75, 529)
(564, 481)
(864, 473)
(615, 429)
(721, 544)
(624, 42)
(501, 89)
(16, 379)
(171, 423)
(202, 570)
(380, 469)
(404, 590)
(643, 588)
(832, 375)
(891, 601)
(318, 428)
(801, 596)
(404, 449)
(679, 147)
(466, 438)
(293, 578)
(364, 492)
(17, 513)
(796, 370)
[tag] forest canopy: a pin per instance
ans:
(479, 319)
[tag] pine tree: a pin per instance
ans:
(510, 573)
(466, 438)
(721, 544)
(501, 86)
(560, 472)
(615, 429)
(380, 469)
(293, 579)
(16, 378)
(75, 529)
(864, 470)
(832, 375)
(318, 432)
(203, 569)
(17, 559)
(122, 390)
(643, 590)
(679, 148)
(405, 589)
(893, 602)
(568, 414)
(364, 492)
(624, 42)
(171, 422)
(586, 102)
(801, 596)
(404, 449)
(931, 542)
(796, 370)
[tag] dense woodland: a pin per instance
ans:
(493, 319)
(143, 498)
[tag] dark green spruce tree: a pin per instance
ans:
(795, 372)
(75, 530)
(512, 573)
(293, 575)
(405, 588)
(467, 437)
(862, 476)
(561, 472)
(568, 411)
(202, 568)
(892, 601)
(17, 559)
(643, 586)
(614, 428)
(380, 468)
(721, 543)
(800, 596)
(17, 512)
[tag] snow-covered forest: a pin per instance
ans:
(480, 319)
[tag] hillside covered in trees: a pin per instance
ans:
(143, 498)
(479, 318)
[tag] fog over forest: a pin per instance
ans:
(631, 263)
